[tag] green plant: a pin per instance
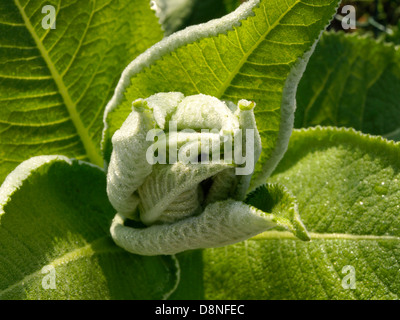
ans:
(66, 166)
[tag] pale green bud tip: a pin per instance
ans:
(246, 105)
(140, 105)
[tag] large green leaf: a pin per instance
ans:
(248, 54)
(54, 83)
(351, 81)
(348, 189)
(55, 215)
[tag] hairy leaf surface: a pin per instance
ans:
(249, 54)
(351, 81)
(55, 83)
(348, 189)
(55, 217)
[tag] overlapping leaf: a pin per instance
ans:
(55, 217)
(351, 81)
(348, 188)
(54, 83)
(248, 54)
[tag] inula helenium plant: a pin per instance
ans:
(196, 149)
(194, 200)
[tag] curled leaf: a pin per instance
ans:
(168, 174)
(182, 166)
(221, 223)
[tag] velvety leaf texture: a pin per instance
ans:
(348, 189)
(351, 81)
(248, 54)
(55, 217)
(55, 83)
(335, 188)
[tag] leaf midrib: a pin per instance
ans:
(90, 148)
(74, 255)
(285, 235)
(246, 55)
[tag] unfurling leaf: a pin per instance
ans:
(257, 53)
(195, 201)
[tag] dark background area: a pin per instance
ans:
(377, 17)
